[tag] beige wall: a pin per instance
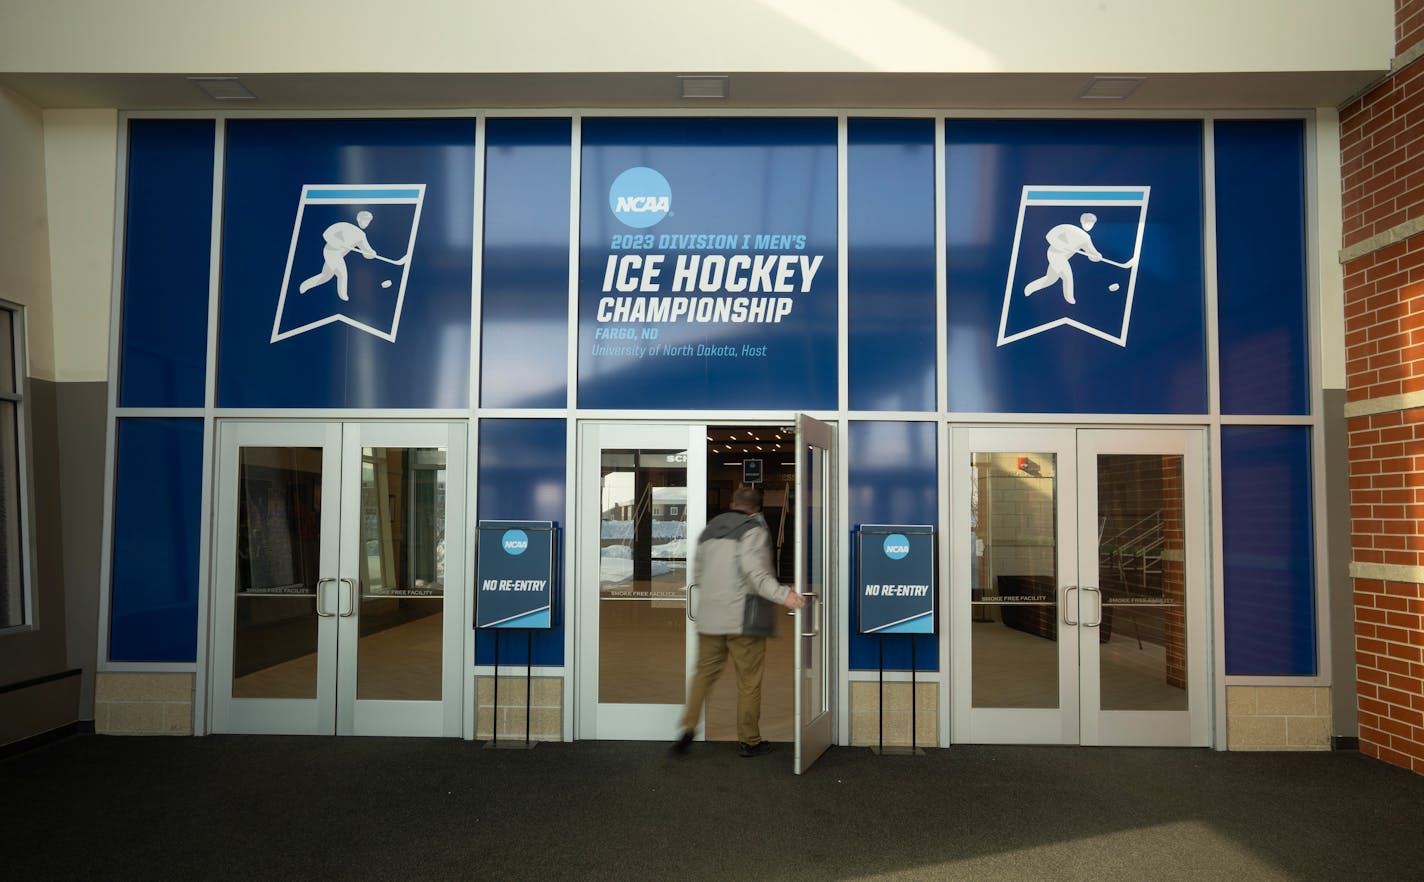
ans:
(855, 36)
(24, 227)
(80, 157)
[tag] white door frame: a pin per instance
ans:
(1190, 727)
(595, 720)
(335, 709)
(817, 630)
(1077, 719)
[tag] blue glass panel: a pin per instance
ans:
(893, 479)
(525, 293)
(1112, 208)
(1268, 540)
(163, 344)
(891, 264)
(522, 477)
(1260, 266)
(347, 263)
(153, 608)
(708, 268)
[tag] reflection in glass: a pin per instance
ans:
(402, 574)
(642, 577)
(1014, 579)
(1142, 574)
(278, 552)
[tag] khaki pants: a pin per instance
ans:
(748, 657)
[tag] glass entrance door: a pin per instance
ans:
(331, 613)
(642, 505)
(1078, 587)
(815, 580)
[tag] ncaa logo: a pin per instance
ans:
(640, 197)
(897, 546)
(515, 542)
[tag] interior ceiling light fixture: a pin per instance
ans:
(701, 87)
(1110, 88)
(223, 88)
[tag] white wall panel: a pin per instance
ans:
(80, 167)
(24, 235)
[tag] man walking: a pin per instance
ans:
(737, 594)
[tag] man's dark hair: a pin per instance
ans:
(748, 497)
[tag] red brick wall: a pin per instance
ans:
(1382, 169)
(1384, 320)
(1408, 24)
(1389, 649)
(1381, 164)
(1174, 572)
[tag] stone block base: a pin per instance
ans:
(865, 717)
(1277, 718)
(143, 704)
(544, 714)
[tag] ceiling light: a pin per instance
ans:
(701, 87)
(1110, 88)
(223, 88)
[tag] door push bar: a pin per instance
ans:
(813, 600)
(319, 583)
(1099, 620)
(1068, 607)
(350, 598)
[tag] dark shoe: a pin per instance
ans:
(759, 749)
(683, 742)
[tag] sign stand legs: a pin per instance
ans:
(880, 748)
(880, 702)
(528, 696)
(528, 683)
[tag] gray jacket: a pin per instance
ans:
(735, 591)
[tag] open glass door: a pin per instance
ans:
(815, 580)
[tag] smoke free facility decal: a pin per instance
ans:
(709, 278)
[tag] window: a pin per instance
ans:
(14, 609)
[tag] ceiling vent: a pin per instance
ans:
(1110, 88)
(702, 87)
(223, 88)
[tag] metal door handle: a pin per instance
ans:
(350, 598)
(319, 583)
(815, 622)
(690, 589)
(1067, 591)
(1100, 607)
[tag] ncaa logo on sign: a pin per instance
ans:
(515, 542)
(640, 197)
(897, 546)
